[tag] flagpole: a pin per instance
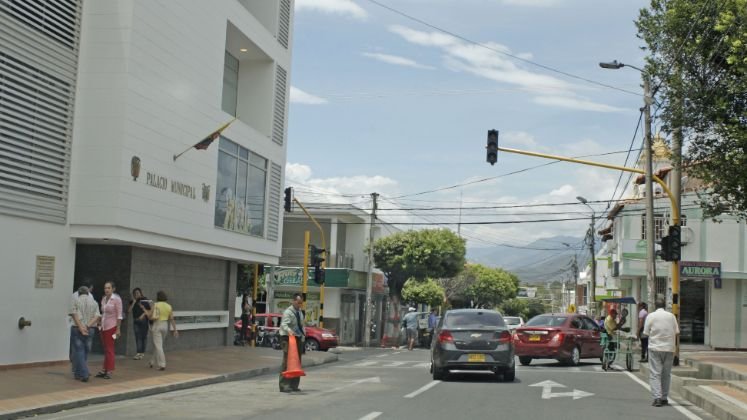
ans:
(214, 133)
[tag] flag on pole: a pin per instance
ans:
(207, 141)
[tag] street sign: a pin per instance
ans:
(547, 393)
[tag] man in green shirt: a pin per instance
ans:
(291, 324)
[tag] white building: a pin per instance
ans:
(713, 311)
(96, 99)
(346, 238)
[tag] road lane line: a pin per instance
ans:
(423, 365)
(422, 389)
(395, 364)
(371, 416)
(382, 355)
(677, 406)
(362, 364)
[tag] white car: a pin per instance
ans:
(513, 322)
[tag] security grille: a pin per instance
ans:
(273, 218)
(37, 88)
(278, 123)
(284, 22)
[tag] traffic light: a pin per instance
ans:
(675, 243)
(316, 258)
(315, 255)
(666, 248)
(318, 275)
(288, 199)
(492, 147)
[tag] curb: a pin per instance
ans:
(139, 393)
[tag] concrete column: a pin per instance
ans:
(332, 251)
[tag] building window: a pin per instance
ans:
(242, 180)
(230, 84)
(659, 224)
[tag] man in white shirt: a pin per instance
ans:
(661, 329)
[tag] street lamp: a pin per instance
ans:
(593, 291)
(649, 170)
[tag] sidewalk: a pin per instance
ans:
(715, 381)
(48, 389)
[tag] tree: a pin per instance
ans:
(426, 292)
(535, 307)
(514, 307)
(698, 59)
(418, 254)
(489, 286)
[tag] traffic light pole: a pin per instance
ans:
(672, 199)
(305, 272)
(306, 261)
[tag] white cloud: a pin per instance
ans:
(336, 189)
(519, 138)
(297, 96)
(338, 7)
(573, 102)
(489, 60)
(397, 60)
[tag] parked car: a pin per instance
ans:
(513, 322)
(567, 338)
(472, 339)
(316, 338)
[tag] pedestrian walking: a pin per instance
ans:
(139, 321)
(85, 316)
(162, 315)
(432, 320)
(111, 321)
(291, 324)
(410, 322)
(246, 313)
(661, 329)
(642, 314)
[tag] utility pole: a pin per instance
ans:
(593, 292)
(649, 171)
(677, 192)
(369, 278)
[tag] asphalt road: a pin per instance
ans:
(396, 384)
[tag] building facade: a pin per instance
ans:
(713, 270)
(99, 98)
(346, 237)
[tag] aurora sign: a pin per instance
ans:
(701, 270)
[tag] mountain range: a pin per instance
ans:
(543, 260)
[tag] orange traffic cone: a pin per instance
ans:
(294, 364)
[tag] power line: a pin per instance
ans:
(515, 57)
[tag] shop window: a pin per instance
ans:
(241, 187)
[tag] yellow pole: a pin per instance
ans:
(324, 263)
(672, 200)
(254, 304)
(305, 275)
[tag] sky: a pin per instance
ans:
(396, 97)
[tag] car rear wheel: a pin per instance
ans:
(525, 360)
(509, 374)
(575, 357)
(311, 345)
(438, 374)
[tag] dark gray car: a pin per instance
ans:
(472, 339)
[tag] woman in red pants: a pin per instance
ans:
(111, 319)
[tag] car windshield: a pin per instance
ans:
(546, 321)
(477, 319)
(512, 320)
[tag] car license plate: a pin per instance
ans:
(534, 338)
(475, 357)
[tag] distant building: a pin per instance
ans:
(97, 99)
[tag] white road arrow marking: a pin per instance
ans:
(547, 393)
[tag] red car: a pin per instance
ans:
(565, 337)
(316, 338)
